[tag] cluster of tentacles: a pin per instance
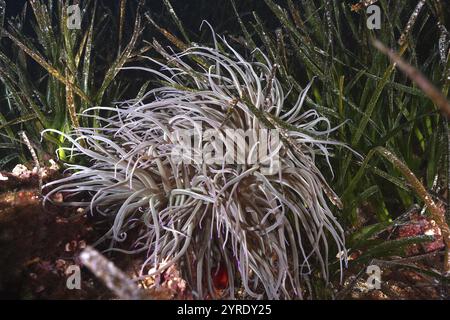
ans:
(267, 231)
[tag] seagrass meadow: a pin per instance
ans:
(96, 96)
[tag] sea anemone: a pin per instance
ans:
(260, 226)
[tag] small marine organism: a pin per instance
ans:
(224, 224)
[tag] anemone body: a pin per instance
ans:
(267, 231)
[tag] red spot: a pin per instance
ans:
(220, 277)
